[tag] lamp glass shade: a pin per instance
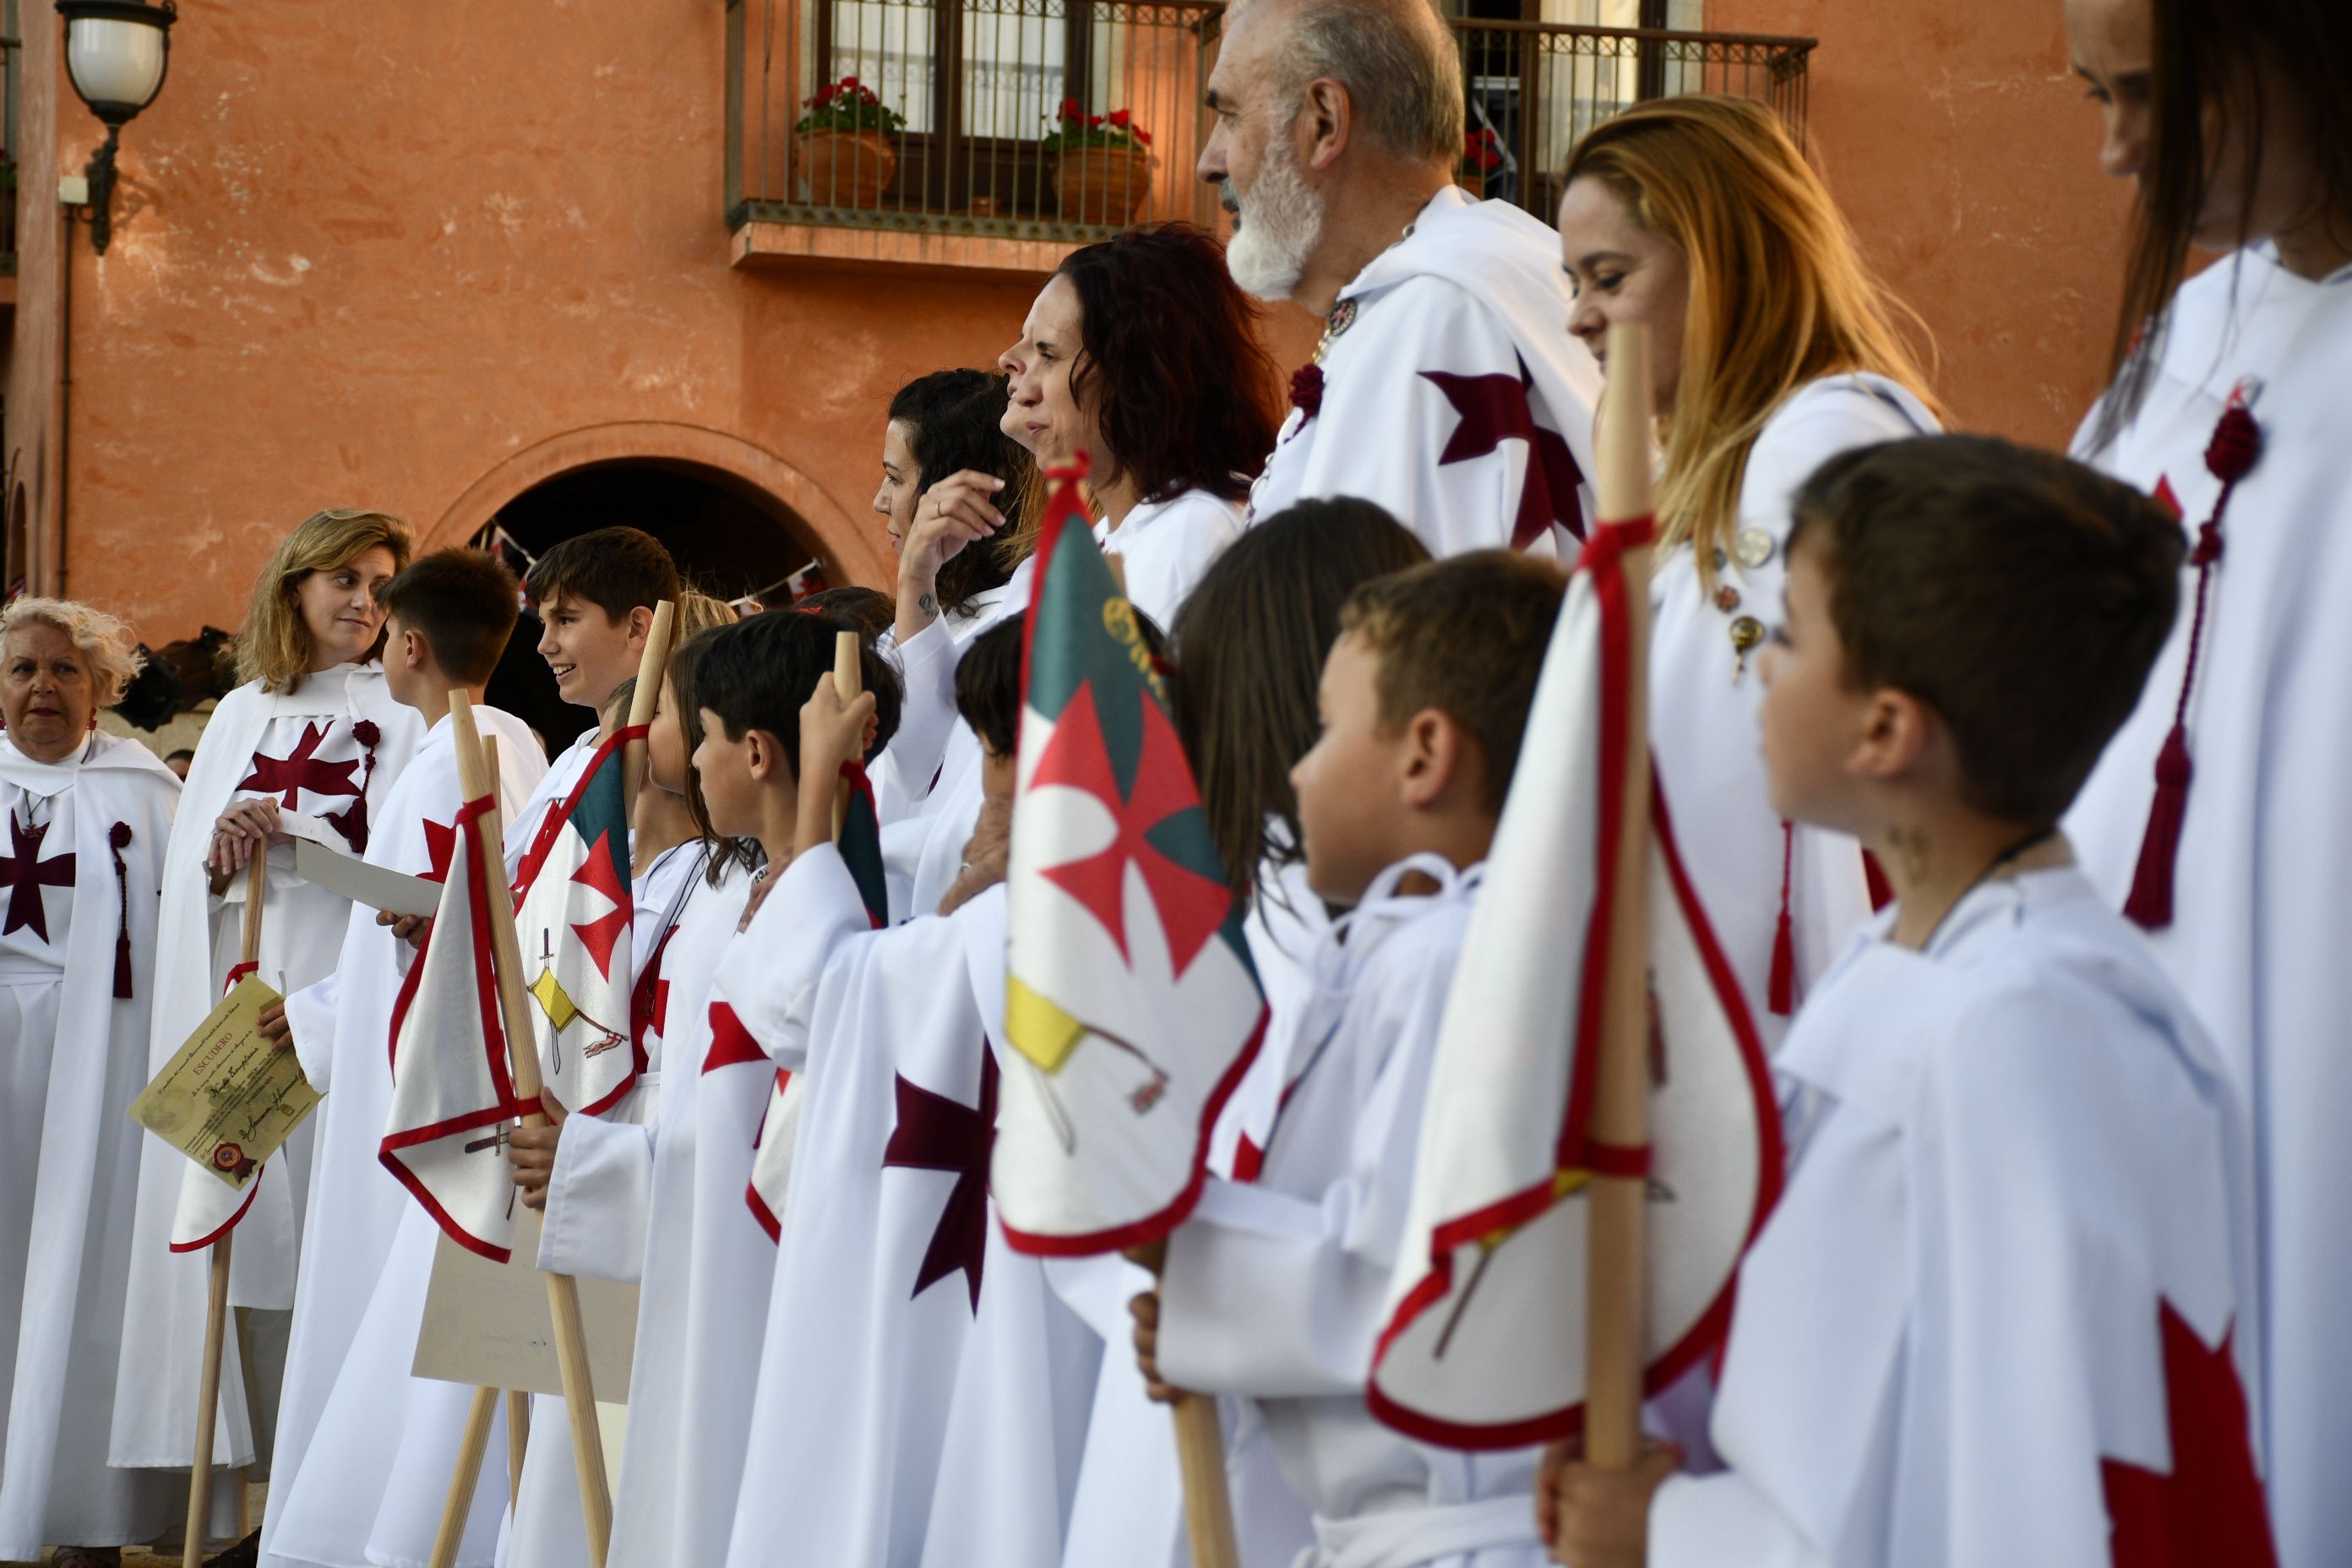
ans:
(116, 65)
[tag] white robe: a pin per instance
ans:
(911, 1356)
(2262, 914)
(1474, 289)
(162, 1344)
(378, 1465)
(625, 1202)
(1703, 703)
(68, 1219)
(342, 1032)
(2008, 1151)
(1274, 1290)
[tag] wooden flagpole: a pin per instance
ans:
(642, 701)
(849, 680)
(1208, 1506)
(200, 1472)
(1616, 1258)
(522, 1055)
(474, 1443)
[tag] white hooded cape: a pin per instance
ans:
(55, 1482)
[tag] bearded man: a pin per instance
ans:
(1446, 387)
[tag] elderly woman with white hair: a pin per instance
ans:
(89, 814)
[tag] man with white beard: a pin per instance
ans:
(1445, 388)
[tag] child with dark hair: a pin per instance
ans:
(887, 1035)
(448, 615)
(662, 1204)
(866, 610)
(2000, 1312)
(1273, 1291)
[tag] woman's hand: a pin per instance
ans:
(953, 514)
(246, 824)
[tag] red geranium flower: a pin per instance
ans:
(1070, 109)
(1120, 117)
(1142, 136)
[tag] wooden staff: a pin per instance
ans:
(849, 680)
(518, 1439)
(642, 699)
(1208, 1507)
(474, 1443)
(522, 1055)
(200, 1471)
(1621, 1104)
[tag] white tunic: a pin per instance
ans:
(377, 1468)
(625, 1203)
(1275, 1290)
(2013, 1157)
(1449, 381)
(342, 1032)
(256, 741)
(2263, 914)
(73, 1054)
(1704, 701)
(912, 1360)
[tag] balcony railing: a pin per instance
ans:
(974, 88)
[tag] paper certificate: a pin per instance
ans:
(227, 1099)
(377, 887)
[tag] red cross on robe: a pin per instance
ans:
(23, 873)
(934, 1133)
(1495, 409)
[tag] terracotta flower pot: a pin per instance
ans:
(844, 168)
(1102, 184)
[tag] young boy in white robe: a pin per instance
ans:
(1273, 1290)
(630, 1202)
(395, 1438)
(447, 617)
(2001, 1313)
(922, 1394)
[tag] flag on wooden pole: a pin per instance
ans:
(1132, 1007)
(452, 1092)
(1486, 1344)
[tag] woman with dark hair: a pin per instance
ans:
(2216, 817)
(1250, 642)
(1172, 422)
(944, 427)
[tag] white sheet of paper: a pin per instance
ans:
(488, 1324)
(377, 887)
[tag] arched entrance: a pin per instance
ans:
(737, 520)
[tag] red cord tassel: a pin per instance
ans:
(2150, 904)
(2237, 442)
(1781, 994)
(119, 839)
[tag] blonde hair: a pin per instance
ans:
(275, 647)
(105, 642)
(1779, 294)
(695, 611)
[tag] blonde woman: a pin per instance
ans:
(311, 745)
(1773, 351)
(89, 814)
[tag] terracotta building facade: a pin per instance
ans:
(548, 266)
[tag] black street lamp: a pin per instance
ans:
(116, 52)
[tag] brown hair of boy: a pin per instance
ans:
(463, 603)
(616, 569)
(2021, 595)
(868, 612)
(1466, 637)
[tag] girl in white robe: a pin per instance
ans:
(89, 814)
(312, 731)
(2216, 817)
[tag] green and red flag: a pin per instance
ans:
(1132, 1007)
(573, 911)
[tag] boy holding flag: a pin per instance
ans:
(1273, 1290)
(2000, 1311)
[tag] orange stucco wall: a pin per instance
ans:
(1957, 140)
(413, 256)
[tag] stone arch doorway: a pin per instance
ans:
(737, 520)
